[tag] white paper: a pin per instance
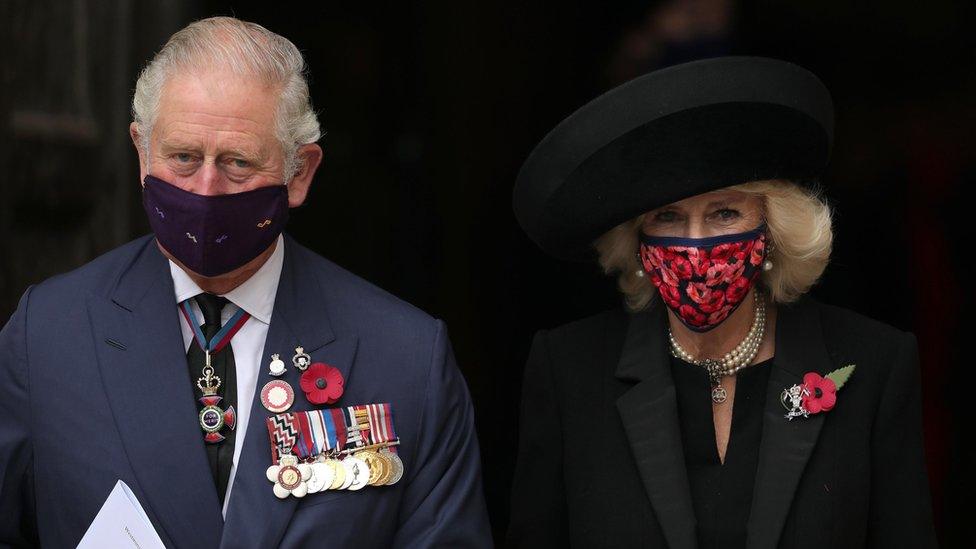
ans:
(121, 523)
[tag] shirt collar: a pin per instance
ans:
(256, 295)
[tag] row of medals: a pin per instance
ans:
(353, 472)
(366, 467)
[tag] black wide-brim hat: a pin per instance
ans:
(669, 135)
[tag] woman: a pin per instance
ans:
(720, 407)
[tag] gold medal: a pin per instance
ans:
(372, 462)
(387, 467)
(378, 468)
(289, 477)
(340, 475)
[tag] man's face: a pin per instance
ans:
(214, 134)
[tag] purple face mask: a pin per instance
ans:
(213, 235)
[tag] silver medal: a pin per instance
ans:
(322, 476)
(360, 473)
(397, 468)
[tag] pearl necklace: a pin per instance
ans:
(734, 360)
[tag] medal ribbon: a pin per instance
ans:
(361, 413)
(317, 428)
(381, 422)
(306, 443)
(335, 425)
(283, 432)
(380, 417)
(306, 434)
(354, 436)
(221, 338)
(375, 422)
(324, 432)
(312, 433)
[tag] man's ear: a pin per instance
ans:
(309, 158)
(137, 141)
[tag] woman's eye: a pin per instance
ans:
(727, 214)
(665, 216)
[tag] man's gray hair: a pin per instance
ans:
(246, 49)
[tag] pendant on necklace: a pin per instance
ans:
(719, 394)
(714, 369)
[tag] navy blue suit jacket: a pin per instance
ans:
(94, 388)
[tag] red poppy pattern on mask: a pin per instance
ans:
(703, 280)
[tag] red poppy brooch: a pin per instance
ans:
(323, 384)
(816, 394)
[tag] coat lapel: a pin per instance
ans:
(649, 411)
(255, 517)
(145, 375)
(786, 445)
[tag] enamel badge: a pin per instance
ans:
(290, 477)
(277, 396)
(212, 417)
(277, 366)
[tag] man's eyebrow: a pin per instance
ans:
(175, 144)
(179, 145)
(242, 152)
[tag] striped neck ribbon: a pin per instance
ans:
(222, 337)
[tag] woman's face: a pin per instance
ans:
(704, 215)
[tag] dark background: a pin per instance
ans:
(430, 108)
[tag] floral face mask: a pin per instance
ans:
(703, 280)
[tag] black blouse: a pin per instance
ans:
(721, 493)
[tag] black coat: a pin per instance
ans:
(600, 460)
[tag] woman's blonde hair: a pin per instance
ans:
(800, 234)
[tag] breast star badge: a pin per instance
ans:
(290, 477)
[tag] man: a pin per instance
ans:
(161, 362)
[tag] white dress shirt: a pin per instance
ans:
(256, 296)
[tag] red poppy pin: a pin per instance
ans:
(323, 384)
(816, 394)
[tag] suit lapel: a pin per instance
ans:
(255, 517)
(649, 411)
(786, 445)
(145, 375)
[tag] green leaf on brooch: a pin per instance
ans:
(840, 375)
